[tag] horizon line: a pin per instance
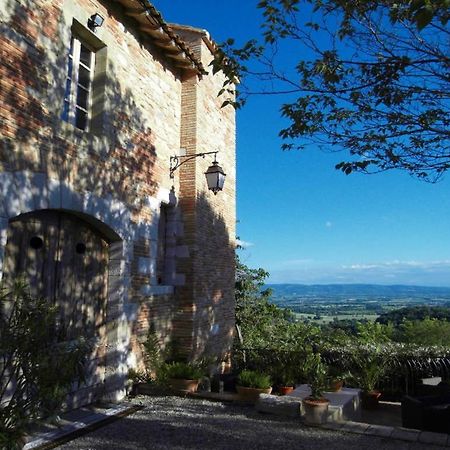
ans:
(361, 284)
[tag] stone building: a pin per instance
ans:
(89, 119)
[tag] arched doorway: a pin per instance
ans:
(65, 260)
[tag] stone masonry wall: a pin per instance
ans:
(118, 173)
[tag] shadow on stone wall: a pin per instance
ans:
(119, 163)
(200, 322)
(118, 160)
(214, 282)
(35, 143)
(203, 324)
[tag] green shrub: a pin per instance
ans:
(369, 365)
(139, 376)
(37, 367)
(183, 370)
(253, 379)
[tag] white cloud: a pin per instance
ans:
(360, 266)
(425, 273)
(396, 264)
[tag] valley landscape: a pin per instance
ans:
(328, 303)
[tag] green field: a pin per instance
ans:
(328, 319)
(324, 303)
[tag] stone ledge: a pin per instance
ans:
(405, 434)
(355, 427)
(380, 430)
(88, 421)
(428, 437)
(336, 426)
(397, 433)
(281, 406)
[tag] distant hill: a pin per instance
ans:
(415, 313)
(323, 303)
(357, 290)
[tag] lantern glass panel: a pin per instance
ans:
(220, 180)
(212, 179)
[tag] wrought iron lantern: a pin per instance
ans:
(215, 176)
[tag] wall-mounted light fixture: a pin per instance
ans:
(215, 176)
(95, 21)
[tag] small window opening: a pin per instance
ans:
(36, 242)
(162, 245)
(80, 248)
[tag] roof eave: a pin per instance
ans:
(150, 22)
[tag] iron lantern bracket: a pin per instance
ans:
(178, 161)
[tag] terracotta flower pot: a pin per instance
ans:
(336, 385)
(181, 385)
(249, 394)
(370, 400)
(284, 390)
(316, 410)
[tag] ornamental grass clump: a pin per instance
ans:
(253, 379)
(183, 371)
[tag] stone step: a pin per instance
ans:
(78, 421)
(344, 405)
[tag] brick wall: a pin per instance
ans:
(211, 226)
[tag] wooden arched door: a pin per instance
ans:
(64, 259)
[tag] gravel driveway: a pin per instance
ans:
(179, 423)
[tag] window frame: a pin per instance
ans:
(97, 109)
(72, 105)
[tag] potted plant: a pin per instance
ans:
(183, 376)
(369, 366)
(138, 382)
(286, 379)
(336, 384)
(336, 378)
(286, 387)
(251, 383)
(316, 405)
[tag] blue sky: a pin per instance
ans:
(302, 220)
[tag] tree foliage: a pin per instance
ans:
(374, 333)
(425, 332)
(257, 318)
(368, 355)
(414, 313)
(271, 341)
(368, 77)
(263, 324)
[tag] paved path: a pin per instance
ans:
(178, 423)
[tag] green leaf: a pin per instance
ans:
(423, 17)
